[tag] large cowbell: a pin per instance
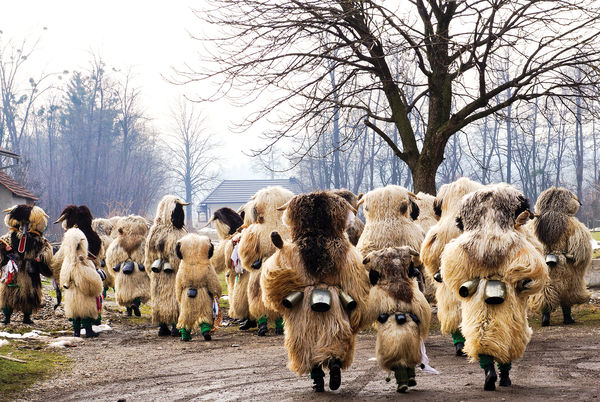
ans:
(320, 300)
(495, 292)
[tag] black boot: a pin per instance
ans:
(335, 374)
(278, 331)
(247, 324)
(412, 381)
(546, 319)
(135, 306)
(77, 327)
(490, 378)
(7, 313)
(567, 317)
(174, 331)
(163, 330)
(459, 346)
(504, 378)
(129, 311)
(318, 376)
(89, 332)
(262, 329)
(401, 375)
(27, 319)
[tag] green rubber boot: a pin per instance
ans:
(7, 311)
(186, 335)
(76, 326)
(262, 326)
(205, 330)
(459, 343)
(279, 326)
(486, 362)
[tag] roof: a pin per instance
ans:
(241, 191)
(15, 188)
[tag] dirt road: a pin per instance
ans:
(132, 363)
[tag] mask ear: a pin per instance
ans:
(178, 251)
(523, 206)
(373, 277)
(459, 224)
(414, 210)
(211, 250)
(437, 208)
(276, 239)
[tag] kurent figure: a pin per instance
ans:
(256, 246)
(104, 228)
(568, 250)
(446, 207)
(25, 255)
(197, 286)
(402, 312)
(125, 257)
(81, 283)
(317, 281)
(355, 228)
(494, 268)
(163, 262)
(390, 215)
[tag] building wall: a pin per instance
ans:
(7, 199)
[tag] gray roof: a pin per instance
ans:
(241, 191)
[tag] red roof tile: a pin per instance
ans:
(15, 187)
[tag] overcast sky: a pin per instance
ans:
(148, 36)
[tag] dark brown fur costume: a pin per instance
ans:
(356, 227)
(319, 255)
(35, 260)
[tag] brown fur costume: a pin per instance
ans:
(396, 291)
(256, 245)
(128, 246)
(78, 277)
(427, 217)
(390, 214)
(167, 229)
(26, 296)
(356, 227)
(563, 235)
(319, 255)
(104, 228)
(447, 207)
(491, 248)
(195, 272)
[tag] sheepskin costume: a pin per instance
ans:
(104, 228)
(256, 246)
(25, 255)
(494, 268)
(197, 286)
(390, 215)
(163, 262)
(567, 245)
(401, 310)
(356, 227)
(318, 258)
(125, 258)
(427, 217)
(446, 208)
(81, 283)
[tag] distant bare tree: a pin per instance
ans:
(191, 158)
(293, 46)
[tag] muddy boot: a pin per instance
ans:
(335, 374)
(27, 319)
(567, 317)
(163, 330)
(459, 349)
(205, 331)
(174, 330)
(7, 311)
(459, 343)
(247, 324)
(401, 375)
(135, 306)
(279, 326)
(186, 336)
(89, 332)
(129, 311)
(76, 327)
(486, 362)
(546, 319)
(262, 326)
(318, 377)
(504, 375)
(412, 381)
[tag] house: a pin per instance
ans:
(235, 193)
(11, 192)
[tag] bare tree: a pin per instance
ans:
(191, 157)
(292, 47)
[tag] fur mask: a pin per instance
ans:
(33, 216)
(193, 248)
(393, 270)
(388, 203)
(554, 207)
(170, 212)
